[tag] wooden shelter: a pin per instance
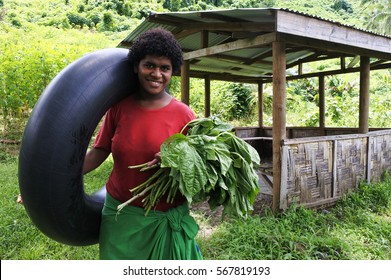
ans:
(310, 166)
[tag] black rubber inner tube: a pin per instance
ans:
(56, 139)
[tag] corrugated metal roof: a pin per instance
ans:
(239, 41)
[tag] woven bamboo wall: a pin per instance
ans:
(306, 173)
(320, 170)
(379, 154)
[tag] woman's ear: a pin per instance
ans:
(135, 69)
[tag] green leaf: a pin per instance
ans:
(172, 150)
(211, 126)
(238, 145)
(213, 176)
(223, 156)
(193, 172)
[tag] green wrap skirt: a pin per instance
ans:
(130, 235)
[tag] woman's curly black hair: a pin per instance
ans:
(160, 42)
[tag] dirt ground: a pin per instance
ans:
(208, 220)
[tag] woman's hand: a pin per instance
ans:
(19, 199)
(156, 160)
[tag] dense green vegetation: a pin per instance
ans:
(39, 38)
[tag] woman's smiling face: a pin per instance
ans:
(154, 74)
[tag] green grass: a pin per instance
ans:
(357, 228)
(19, 238)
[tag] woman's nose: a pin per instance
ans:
(156, 72)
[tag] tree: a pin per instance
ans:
(76, 19)
(108, 21)
(240, 100)
(378, 15)
(342, 5)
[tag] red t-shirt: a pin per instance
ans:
(133, 135)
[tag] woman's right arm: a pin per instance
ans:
(94, 158)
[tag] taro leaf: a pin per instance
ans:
(237, 160)
(210, 153)
(231, 183)
(255, 159)
(209, 139)
(223, 156)
(196, 140)
(244, 183)
(193, 172)
(220, 127)
(200, 126)
(247, 180)
(211, 126)
(216, 198)
(241, 147)
(213, 177)
(222, 183)
(182, 158)
(172, 150)
(218, 152)
(210, 161)
(204, 145)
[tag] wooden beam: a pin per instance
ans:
(242, 60)
(333, 72)
(260, 104)
(332, 36)
(229, 26)
(223, 65)
(226, 77)
(207, 96)
(204, 39)
(232, 46)
(354, 61)
(342, 62)
(363, 123)
(322, 110)
(229, 70)
(337, 47)
(279, 116)
(205, 44)
(185, 83)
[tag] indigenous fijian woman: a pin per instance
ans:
(132, 131)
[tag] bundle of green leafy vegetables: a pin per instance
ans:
(209, 163)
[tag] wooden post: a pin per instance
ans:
(260, 104)
(185, 82)
(322, 118)
(364, 95)
(279, 116)
(204, 44)
(207, 96)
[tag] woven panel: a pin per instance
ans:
(351, 164)
(380, 151)
(309, 172)
(320, 171)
